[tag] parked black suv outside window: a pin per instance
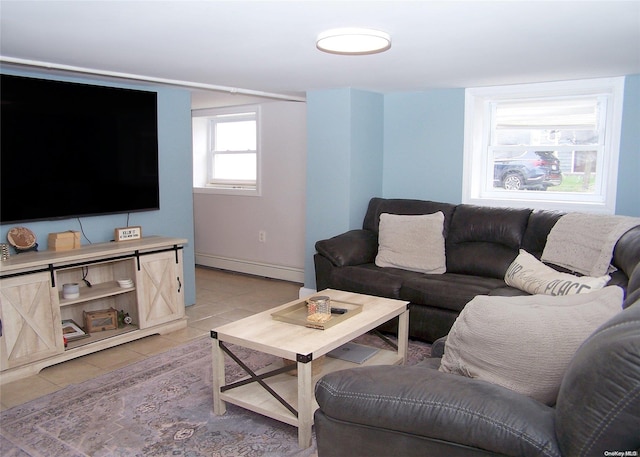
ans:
(534, 170)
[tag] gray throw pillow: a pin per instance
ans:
(529, 274)
(414, 243)
(525, 343)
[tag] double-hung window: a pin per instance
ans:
(551, 145)
(228, 141)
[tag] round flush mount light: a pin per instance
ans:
(353, 41)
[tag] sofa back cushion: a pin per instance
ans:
(538, 227)
(483, 241)
(378, 206)
(626, 255)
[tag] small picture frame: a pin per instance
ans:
(128, 233)
(72, 331)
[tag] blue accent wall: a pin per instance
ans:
(628, 197)
(367, 126)
(344, 163)
(423, 145)
(175, 217)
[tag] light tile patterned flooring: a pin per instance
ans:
(221, 297)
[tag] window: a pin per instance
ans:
(551, 145)
(226, 151)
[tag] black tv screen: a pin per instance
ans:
(70, 150)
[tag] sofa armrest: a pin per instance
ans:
(439, 406)
(437, 347)
(354, 247)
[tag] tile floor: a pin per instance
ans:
(221, 297)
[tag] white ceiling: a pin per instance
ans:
(269, 46)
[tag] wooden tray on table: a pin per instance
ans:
(297, 314)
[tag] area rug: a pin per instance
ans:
(161, 406)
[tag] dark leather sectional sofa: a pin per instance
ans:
(481, 243)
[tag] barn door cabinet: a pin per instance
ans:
(33, 306)
(159, 287)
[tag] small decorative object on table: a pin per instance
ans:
(70, 290)
(305, 313)
(63, 241)
(22, 239)
(128, 233)
(123, 319)
(104, 319)
(72, 331)
(318, 309)
(4, 251)
(125, 283)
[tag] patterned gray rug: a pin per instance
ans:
(161, 406)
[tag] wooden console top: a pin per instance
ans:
(36, 259)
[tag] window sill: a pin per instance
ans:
(242, 191)
(550, 205)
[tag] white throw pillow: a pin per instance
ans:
(525, 343)
(529, 274)
(414, 243)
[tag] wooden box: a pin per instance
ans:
(63, 241)
(98, 321)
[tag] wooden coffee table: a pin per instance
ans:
(281, 396)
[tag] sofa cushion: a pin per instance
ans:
(626, 255)
(507, 291)
(538, 227)
(483, 241)
(417, 411)
(415, 243)
(369, 279)
(529, 274)
(448, 291)
(525, 343)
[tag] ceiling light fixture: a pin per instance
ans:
(353, 41)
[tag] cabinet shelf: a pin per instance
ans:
(98, 336)
(97, 291)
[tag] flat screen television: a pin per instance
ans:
(70, 150)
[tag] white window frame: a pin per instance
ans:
(202, 120)
(477, 130)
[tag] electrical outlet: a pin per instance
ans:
(262, 236)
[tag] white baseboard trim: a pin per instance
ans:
(252, 268)
(305, 292)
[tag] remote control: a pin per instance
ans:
(338, 310)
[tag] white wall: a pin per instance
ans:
(227, 226)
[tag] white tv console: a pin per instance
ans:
(32, 306)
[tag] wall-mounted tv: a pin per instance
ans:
(70, 150)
